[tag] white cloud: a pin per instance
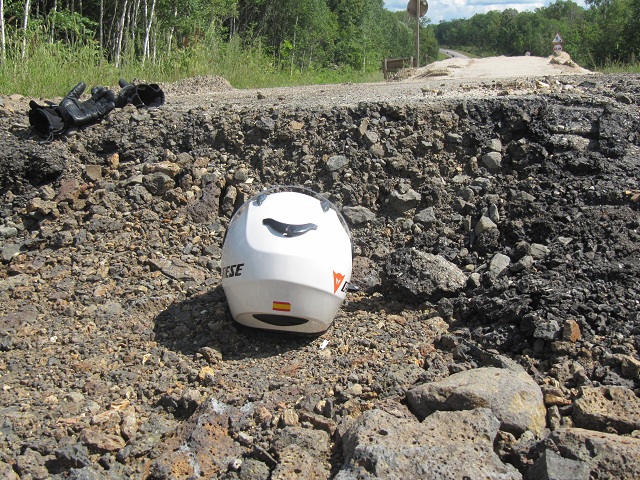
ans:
(449, 10)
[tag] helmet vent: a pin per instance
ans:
(287, 229)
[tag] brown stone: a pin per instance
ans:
(93, 172)
(289, 418)
(571, 331)
(601, 408)
(97, 440)
(630, 367)
(608, 456)
(168, 168)
(203, 442)
(295, 462)
(113, 161)
(318, 421)
(262, 415)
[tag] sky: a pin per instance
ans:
(451, 9)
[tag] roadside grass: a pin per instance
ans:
(621, 68)
(51, 70)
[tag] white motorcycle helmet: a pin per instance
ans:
(286, 261)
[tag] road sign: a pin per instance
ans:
(413, 10)
(557, 38)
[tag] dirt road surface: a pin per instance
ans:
(451, 78)
(500, 67)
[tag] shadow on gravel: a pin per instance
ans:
(203, 324)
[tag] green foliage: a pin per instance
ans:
(604, 34)
(260, 43)
(71, 27)
(51, 69)
(250, 42)
(632, 67)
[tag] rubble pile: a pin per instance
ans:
(495, 333)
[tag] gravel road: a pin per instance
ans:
(451, 78)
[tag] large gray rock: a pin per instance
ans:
(202, 445)
(358, 215)
(302, 453)
(492, 160)
(6, 471)
(424, 275)
(426, 216)
(445, 446)
(498, 265)
(608, 456)
(337, 162)
(598, 408)
(404, 201)
(551, 466)
(514, 398)
(158, 183)
(485, 224)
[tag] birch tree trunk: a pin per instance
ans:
(175, 15)
(110, 35)
(100, 24)
(25, 21)
(293, 49)
(118, 52)
(133, 20)
(3, 43)
(52, 26)
(154, 43)
(147, 31)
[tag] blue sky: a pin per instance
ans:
(451, 9)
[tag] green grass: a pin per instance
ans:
(620, 68)
(51, 70)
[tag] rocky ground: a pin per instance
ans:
(496, 330)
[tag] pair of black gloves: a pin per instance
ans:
(51, 120)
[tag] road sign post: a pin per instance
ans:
(418, 8)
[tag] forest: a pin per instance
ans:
(266, 42)
(604, 35)
(250, 42)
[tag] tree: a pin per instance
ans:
(3, 41)
(120, 34)
(25, 20)
(149, 16)
(513, 33)
(632, 30)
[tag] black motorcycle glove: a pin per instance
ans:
(141, 95)
(52, 120)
